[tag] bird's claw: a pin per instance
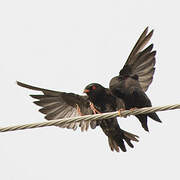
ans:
(134, 108)
(95, 111)
(120, 112)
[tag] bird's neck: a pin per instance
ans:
(100, 100)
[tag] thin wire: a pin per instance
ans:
(84, 121)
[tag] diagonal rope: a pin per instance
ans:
(87, 118)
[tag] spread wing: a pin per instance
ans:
(141, 61)
(58, 105)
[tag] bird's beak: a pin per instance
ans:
(86, 91)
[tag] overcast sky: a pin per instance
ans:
(65, 45)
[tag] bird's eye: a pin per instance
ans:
(93, 87)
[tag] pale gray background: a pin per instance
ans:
(64, 45)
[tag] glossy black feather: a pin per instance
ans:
(56, 105)
(105, 102)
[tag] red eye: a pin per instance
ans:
(94, 87)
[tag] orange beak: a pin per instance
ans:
(86, 91)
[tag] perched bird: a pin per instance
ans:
(58, 105)
(103, 101)
(135, 77)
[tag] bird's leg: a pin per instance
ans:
(79, 110)
(95, 111)
(132, 109)
(122, 109)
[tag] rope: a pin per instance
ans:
(80, 120)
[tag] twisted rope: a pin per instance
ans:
(72, 122)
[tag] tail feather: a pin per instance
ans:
(154, 116)
(128, 141)
(128, 137)
(117, 138)
(143, 120)
(131, 136)
(113, 145)
(119, 141)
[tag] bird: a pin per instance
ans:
(135, 77)
(104, 101)
(57, 104)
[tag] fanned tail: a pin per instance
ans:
(117, 141)
(117, 136)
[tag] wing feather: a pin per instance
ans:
(141, 61)
(57, 105)
(140, 44)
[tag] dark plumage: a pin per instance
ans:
(105, 102)
(135, 77)
(58, 105)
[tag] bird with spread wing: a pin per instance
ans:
(135, 77)
(126, 91)
(57, 105)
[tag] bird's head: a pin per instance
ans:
(94, 90)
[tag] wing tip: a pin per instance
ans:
(38, 103)
(33, 96)
(146, 30)
(19, 83)
(42, 110)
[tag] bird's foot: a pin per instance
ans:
(120, 112)
(95, 111)
(79, 110)
(134, 108)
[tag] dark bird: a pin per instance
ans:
(135, 77)
(103, 101)
(58, 105)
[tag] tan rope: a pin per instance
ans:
(72, 122)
